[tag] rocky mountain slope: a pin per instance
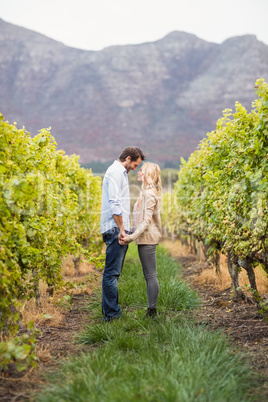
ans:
(163, 96)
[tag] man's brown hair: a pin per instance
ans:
(134, 153)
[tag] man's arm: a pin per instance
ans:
(119, 221)
(115, 201)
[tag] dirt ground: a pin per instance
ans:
(57, 339)
(55, 344)
(240, 320)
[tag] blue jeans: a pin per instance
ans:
(115, 257)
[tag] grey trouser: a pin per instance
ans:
(148, 262)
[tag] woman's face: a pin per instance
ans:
(140, 175)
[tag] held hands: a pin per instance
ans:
(123, 239)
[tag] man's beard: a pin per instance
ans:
(128, 168)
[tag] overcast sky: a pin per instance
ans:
(95, 24)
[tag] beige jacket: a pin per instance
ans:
(148, 221)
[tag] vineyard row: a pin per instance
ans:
(221, 195)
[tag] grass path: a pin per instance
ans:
(169, 358)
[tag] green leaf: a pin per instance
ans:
(47, 316)
(3, 169)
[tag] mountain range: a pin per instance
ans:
(163, 96)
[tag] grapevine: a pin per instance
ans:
(49, 206)
(222, 190)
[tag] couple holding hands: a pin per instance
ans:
(117, 232)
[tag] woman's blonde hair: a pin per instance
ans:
(152, 177)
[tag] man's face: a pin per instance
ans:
(131, 165)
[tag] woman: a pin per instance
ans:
(147, 229)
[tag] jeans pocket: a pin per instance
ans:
(110, 234)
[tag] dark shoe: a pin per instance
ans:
(151, 312)
(108, 318)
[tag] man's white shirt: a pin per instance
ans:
(115, 197)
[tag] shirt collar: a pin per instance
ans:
(120, 166)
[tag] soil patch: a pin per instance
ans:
(54, 344)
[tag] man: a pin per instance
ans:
(115, 221)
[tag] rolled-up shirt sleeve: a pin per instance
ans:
(114, 193)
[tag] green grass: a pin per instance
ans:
(168, 358)
(174, 294)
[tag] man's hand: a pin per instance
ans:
(123, 240)
(121, 236)
(119, 221)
